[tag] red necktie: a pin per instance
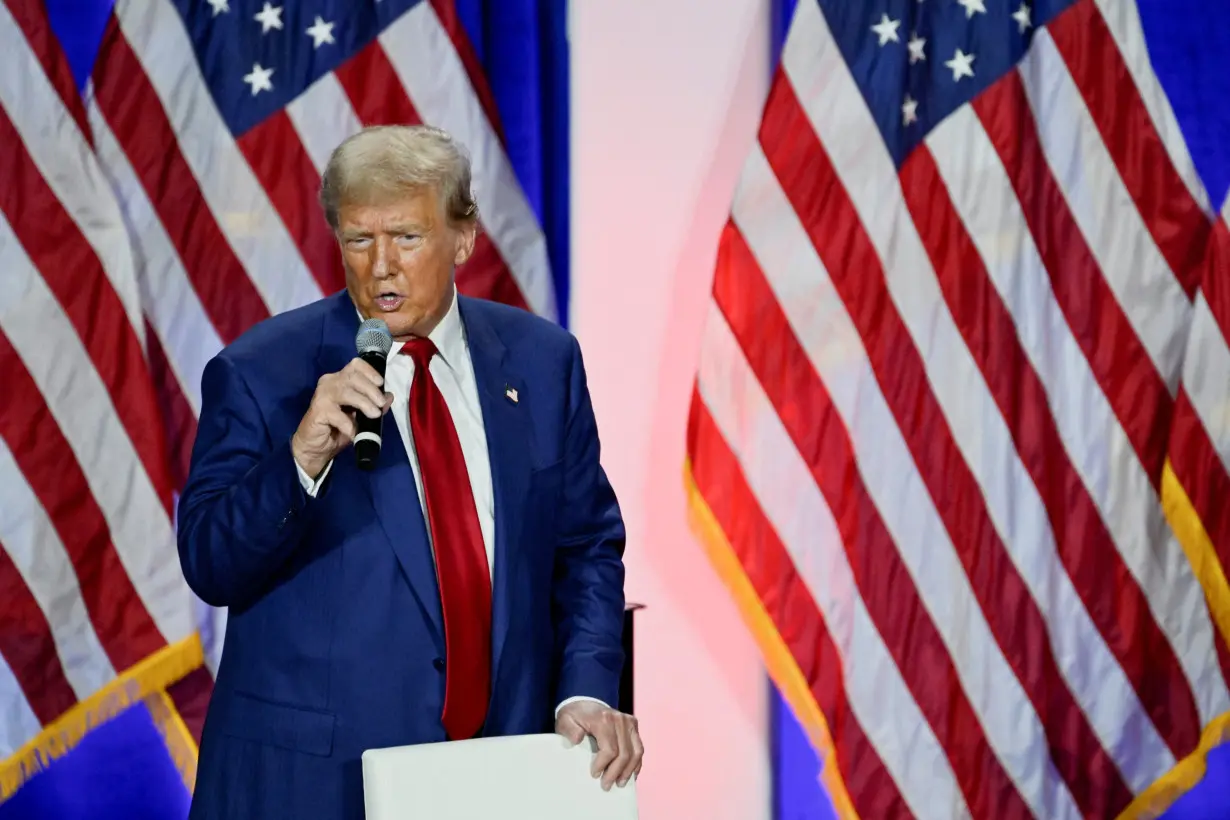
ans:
(461, 557)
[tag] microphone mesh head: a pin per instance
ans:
(373, 337)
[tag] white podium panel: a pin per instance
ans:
(529, 777)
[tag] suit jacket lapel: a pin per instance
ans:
(510, 450)
(396, 500)
(391, 484)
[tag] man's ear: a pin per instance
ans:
(467, 233)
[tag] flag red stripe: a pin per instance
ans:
(140, 125)
(375, 90)
(378, 97)
(286, 172)
(818, 433)
(792, 610)
(123, 625)
(28, 648)
(191, 694)
(73, 272)
(31, 17)
(1018, 623)
(1132, 385)
(1215, 283)
(178, 418)
(1083, 542)
(1135, 391)
(485, 275)
(446, 12)
(1173, 217)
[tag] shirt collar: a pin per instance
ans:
(448, 336)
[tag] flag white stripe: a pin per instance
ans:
(984, 199)
(1130, 261)
(819, 320)
(65, 162)
(171, 303)
(437, 84)
(55, 358)
(793, 505)
(18, 723)
(31, 542)
(241, 207)
(1206, 374)
(323, 117)
(1123, 21)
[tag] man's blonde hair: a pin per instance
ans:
(384, 162)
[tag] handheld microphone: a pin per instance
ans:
(373, 342)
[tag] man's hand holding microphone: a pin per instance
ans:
(347, 406)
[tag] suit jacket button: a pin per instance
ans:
(438, 663)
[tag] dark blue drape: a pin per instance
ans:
(1189, 46)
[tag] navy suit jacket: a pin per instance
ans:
(334, 640)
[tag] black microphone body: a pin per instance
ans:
(373, 342)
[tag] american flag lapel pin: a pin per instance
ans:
(510, 393)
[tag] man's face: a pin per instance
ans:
(399, 259)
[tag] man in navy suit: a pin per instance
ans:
(470, 585)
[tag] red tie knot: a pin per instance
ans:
(420, 349)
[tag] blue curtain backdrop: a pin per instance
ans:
(1189, 45)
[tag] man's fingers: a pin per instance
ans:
(359, 369)
(365, 382)
(605, 733)
(340, 420)
(636, 751)
(367, 399)
(615, 772)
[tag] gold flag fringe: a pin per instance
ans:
(145, 682)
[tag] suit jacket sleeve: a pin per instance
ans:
(243, 508)
(588, 595)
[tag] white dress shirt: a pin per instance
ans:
(453, 372)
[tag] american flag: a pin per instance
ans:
(959, 438)
(144, 224)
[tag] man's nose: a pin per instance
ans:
(385, 262)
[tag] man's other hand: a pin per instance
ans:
(618, 736)
(328, 426)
